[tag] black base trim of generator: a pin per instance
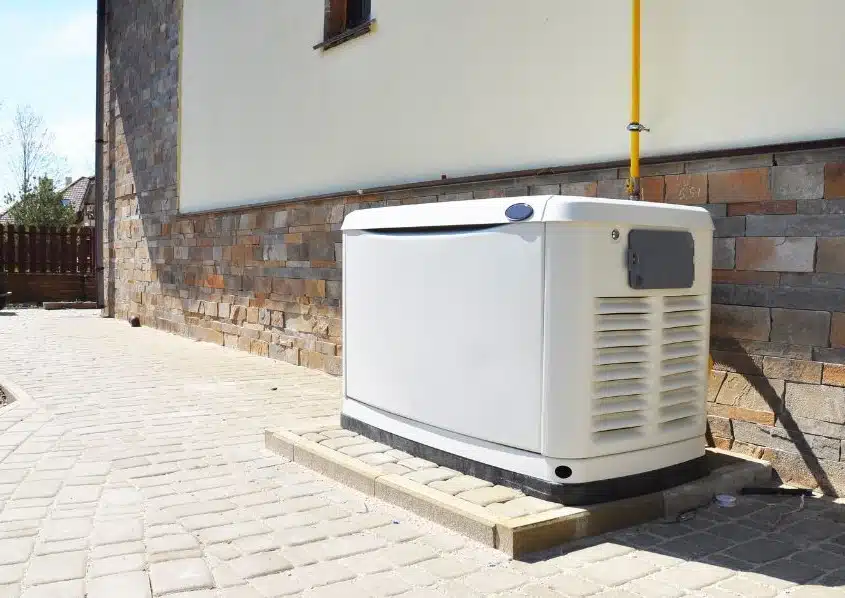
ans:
(567, 494)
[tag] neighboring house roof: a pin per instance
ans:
(78, 193)
(4, 216)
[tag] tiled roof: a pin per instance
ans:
(74, 195)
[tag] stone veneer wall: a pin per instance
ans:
(267, 280)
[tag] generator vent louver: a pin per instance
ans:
(682, 350)
(620, 367)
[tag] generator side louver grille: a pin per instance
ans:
(620, 367)
(682, 350)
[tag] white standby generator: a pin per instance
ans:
(555, 344)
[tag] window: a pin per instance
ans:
(345, 20)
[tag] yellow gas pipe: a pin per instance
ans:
(634, 127)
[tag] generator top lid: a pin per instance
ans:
(538, 208)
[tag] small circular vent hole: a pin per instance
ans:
(563, 472)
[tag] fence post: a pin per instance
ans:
(84, 250)
(90, 253)
(21, 239)
(43, 255)
(10, 248)
(33, 249)
(55, 249)
(63, 249)
(74, 250)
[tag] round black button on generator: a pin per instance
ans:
(519, 211)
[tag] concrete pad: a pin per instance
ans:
(482, 514)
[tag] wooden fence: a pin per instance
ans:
(43, 250)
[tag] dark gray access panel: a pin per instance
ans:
(660, 259)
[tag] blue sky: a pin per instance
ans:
(48, 60)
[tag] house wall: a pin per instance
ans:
(267, 279)
(485, 86)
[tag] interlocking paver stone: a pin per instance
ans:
(618, 570)
(388, 583)
(62, 589)
(321, 574)
(67, 529)
(460, 483)
(572, 585)
(181, 541)
(392, 468)
(61, 546)
(356, 523)
(819, 558)
(494, 581)
(79, 494)
(11, 573)
(63, 566)
(601, 551)
(524, 505)
(260, 563)
(761, 550)
(448, 567)
(344, 441)
(415, 463)
(653, 589)
(377, 459)
(398, 532)
(180, 575)
(793, 571)
(101, 552)
(693, 576)
(364, 449)
(10, 513)
(116, 564)
(434, 474)
(118, 531)
(227, 533)
(335, 548)
(489, 495)
(409, 554)
(42, 489)
(745, 587)
(134, 584)
(15, 550)
(279, 584)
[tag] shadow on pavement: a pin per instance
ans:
(772, 541)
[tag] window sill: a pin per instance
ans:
(347, 35)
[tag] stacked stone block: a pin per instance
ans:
(268, 279)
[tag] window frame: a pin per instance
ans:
(336, 26)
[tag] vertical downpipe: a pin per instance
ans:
(99, 144)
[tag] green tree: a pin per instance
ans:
(42, 206)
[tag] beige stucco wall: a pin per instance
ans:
(478, 86)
